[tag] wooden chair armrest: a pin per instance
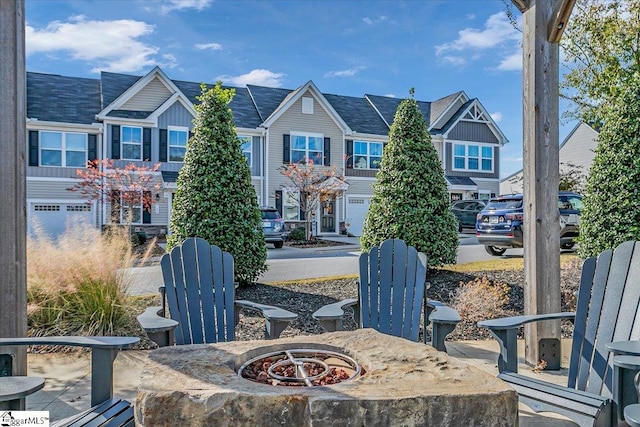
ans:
(103, 352)
(505, 332)
(276, 319)
(159, 329)
(330, 316)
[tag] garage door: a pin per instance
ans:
(53, 218)
(357, 208)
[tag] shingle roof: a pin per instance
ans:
(358, 114)
(460, 180)
(455, 117)
(129, 114)
(267, 99)
(63, 99)
(168, 176)
(438, 106)
(387, 106)
(114, 85)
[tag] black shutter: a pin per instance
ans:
(327, 151)
(286, 149)
(115, 142)
(92, 149)
(115, 206)
(303, 215)
(33, 147)
(279, 202)
(146, 144)
(146, 215)
(163, 145)
(349, 153)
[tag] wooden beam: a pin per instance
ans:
(559, 20)
(522, 5)
(13, 255)
(541, 179)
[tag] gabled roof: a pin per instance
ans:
(267, 99)
(359, 114)
(293, 96)
(114, 85)
(62, 99)
(462, 111)
(387, 106)
(439, 106)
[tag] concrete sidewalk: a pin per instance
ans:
(67, 389)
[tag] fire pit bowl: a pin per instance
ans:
(400, 383)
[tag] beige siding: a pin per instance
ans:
(293, 120)
(360, 186)
(54, 189)
(148, 98)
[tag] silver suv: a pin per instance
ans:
(272, 226)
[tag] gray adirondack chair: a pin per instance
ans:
(200, 293)
(599, 385)
(106, 410)
(392, 296)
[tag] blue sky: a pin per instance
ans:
(348, 47)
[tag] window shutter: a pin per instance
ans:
(92, 153)
(146, 215)
(279, 202)
(286, 149)
(349, 153)
(475, 195)
(163, 145)
(33, 147)
(303, 215)
(115, 206)
(146, 144)
(115, 142)
(327, 151)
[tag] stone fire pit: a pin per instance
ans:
(404, 383)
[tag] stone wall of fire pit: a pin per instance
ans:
(404, 383)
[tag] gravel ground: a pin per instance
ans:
(305, 298)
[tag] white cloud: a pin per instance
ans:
(373, 21)
(211, 46)
(497, 116)
(454, 60)
(511, 62)
(185, 4)
(498, 32)
(109, 45)
(169, 61)
(345, 73)
(390, 95)
(255, 77)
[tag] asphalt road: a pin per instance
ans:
(295, 264)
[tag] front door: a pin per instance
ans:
(328, 216)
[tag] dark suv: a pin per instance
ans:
(466, 212)
(272, 226)
(499, 224)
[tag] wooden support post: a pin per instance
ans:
(541, 179)
(13, 256)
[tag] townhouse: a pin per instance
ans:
(146, 120)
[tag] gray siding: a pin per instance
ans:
(450, 112)
(360, 186)
(176, 115)
(472, 131)
(55, 189)
(51, 172)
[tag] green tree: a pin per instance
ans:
(410, 198)
(601, 51)
(611, 209)
(215, 198)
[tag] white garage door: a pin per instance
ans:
(53, 218)
(357, 208)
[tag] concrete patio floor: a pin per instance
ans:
(67, 389)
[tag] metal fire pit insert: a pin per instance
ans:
(307, 367)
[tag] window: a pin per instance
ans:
(177, 137)
(367, 155)
(473, 157)
(305, 148)
(307, 105)
(131, 202)
(245, 146)
(65, 149)
(131, 139)
(291, 205)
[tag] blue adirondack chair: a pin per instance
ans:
(392, 296)
(106, 410)
(200, 294)
(600, 381)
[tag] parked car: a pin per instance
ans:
(466, 212)
(272, 226)
(499, 224)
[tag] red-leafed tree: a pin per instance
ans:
(126, 187)
(313, 187)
